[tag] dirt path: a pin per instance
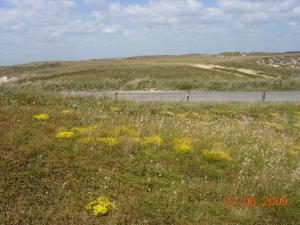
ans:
(213, 68)
(246, 71)
(194, 96)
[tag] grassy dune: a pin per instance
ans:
(161, 72)
(157, 163)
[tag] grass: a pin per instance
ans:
(160, 73)
(159, 164)
(131, 77)
(70, 160)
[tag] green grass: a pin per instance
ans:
(46, 180)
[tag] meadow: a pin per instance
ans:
(71, 160)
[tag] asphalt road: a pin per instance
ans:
(195, 96)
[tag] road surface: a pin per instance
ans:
(195, 96)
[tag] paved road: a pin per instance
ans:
(195, 96)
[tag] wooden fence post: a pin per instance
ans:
(292, 81)
(263, 98)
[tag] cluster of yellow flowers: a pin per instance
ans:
(182, 145)
(216, 155)
(195, 115)
(152, 141)
(41, 117)
(101, 206)
(65, 134)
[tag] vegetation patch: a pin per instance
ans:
(158, 162)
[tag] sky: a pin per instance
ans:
(46, 30)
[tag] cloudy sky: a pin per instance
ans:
(39, 30)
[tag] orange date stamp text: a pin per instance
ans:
(253, 201)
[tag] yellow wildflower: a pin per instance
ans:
(195, 115)
(87, 140)
(65, 134)
(115, 109)
(101, 206)
(152, 140)
(216, 155)
(111, 142)
(41, 117)
(182, 145)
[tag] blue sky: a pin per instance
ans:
(41, 30)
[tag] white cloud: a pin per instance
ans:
(160, 7)
(113, 29)
(49, 22)
(255, 17)
(194, 4)
(296, 11)
(238, 5)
